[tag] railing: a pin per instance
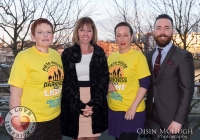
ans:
(196, 84)
(192, 115)
(4, 102)
(4, 85)
(197, 93)
(195, 97)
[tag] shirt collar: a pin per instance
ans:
(166, 48)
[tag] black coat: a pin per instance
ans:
(71, 104)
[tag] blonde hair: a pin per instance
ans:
(80, 23)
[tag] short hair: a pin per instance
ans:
(38, 22)
(80, 23)
(124, 24)
(164, 16)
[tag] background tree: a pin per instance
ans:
(131, 11)
(16, 18)
(186, 16)
(64, 15)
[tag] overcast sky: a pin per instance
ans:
(105, 24)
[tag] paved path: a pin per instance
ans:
(104, 136)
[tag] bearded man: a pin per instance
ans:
(171, 84)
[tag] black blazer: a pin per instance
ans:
(71, 104)
(173, 88)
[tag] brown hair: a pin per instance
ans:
(124, 24)
(38, 22)
(80, 23)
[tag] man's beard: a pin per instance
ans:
(162, 43)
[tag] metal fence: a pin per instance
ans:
(195, 110)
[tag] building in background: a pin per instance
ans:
(143, 43)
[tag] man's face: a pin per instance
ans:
(163, 32)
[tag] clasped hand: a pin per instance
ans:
(130, 113)
(111, 87)
(87, 111)
(174, 127)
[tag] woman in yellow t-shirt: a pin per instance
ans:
(129, 80)
(36, 83)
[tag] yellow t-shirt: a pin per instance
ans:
(40, 76)
(125, 72)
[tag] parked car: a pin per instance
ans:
(197, 56)
(4, 66)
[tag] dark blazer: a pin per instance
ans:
(173, 88)
(71, 104)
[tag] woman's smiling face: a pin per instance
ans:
(123, 38)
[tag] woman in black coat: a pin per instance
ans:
(84, 104)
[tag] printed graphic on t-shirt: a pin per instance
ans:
(118, 79)
(55, 77)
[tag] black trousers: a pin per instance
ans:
(128, 136)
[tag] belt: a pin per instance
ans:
(84, 83)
